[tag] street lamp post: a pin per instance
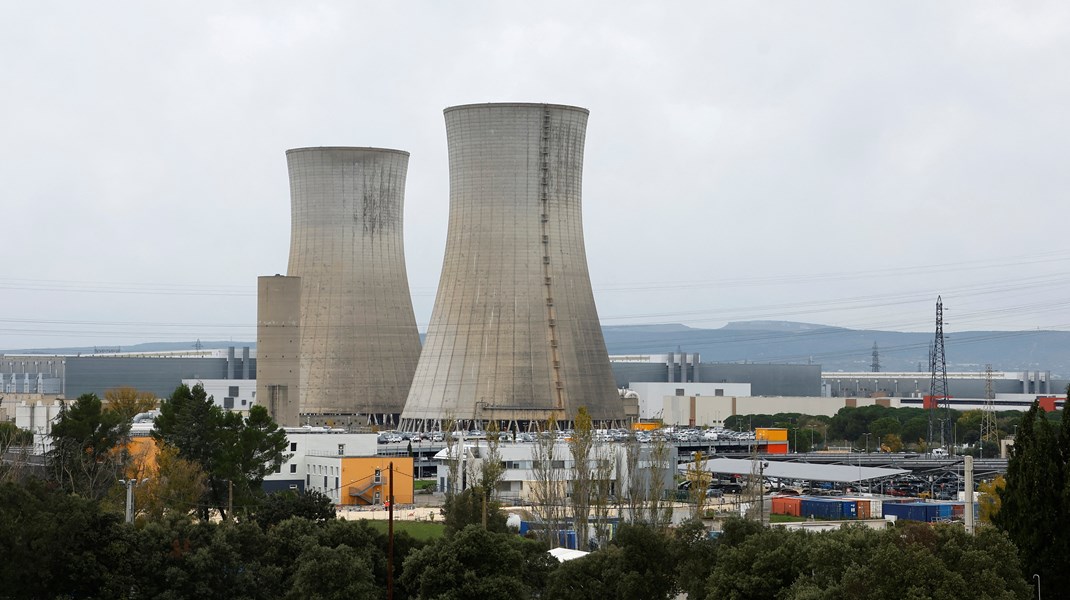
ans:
(761, 491)
(130, 483)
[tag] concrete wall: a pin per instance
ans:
(359, 342)
(514, 335)
(278, 345)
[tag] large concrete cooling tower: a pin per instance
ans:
(359, 342)
(514, 336)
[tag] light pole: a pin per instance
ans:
(130, 483)
(1037, 577)
(761, 491)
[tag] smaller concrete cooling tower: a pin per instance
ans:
(359, 343)
(514, 336)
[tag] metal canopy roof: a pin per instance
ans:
(797, 470)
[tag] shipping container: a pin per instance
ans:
(864, 509)
(876, 509)
(786, 505)
(925, 512)
(821, 508)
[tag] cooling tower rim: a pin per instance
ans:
(346, 148)
(516, 105)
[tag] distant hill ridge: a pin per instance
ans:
(834, 348)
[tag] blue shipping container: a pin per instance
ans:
(849, 509)
(919, 511)
(821, 509)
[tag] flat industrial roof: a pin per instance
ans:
(797, 470)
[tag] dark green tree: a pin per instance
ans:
(1036, 499)
(885, 425)
(913, 561)
(275, 508)
(694, 555)
(87, 455)
(637, 565)
(10, 436)
(59, 545)
(339, 573)
(466, 508)
(232, 450)
(476, 563)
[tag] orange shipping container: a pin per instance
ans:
(786, 505)
(864, 509)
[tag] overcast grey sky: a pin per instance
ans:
(829, 162)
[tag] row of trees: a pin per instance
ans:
(894, 429)
(60, 545)
(207, 459)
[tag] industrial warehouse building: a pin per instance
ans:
(962, 384)
(764, 379)
(71, 376)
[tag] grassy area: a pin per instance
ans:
(421, 530)
(421, 484)
(785, 519)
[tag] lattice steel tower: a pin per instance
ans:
(938, 394)
(989, 431)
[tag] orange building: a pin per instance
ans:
(360, 480)
(368, 478)
(772, 440)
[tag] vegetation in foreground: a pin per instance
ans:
(62, 535)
